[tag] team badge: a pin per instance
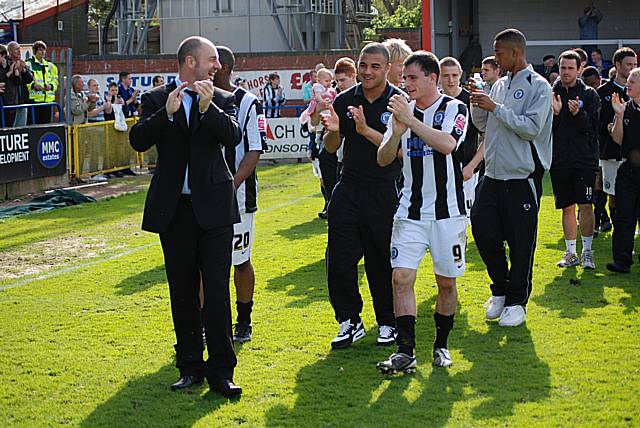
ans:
(626, 121)
(384, 117)
(438, 118)
(608, 98)
(518, 94)
(394, 253)
(349, 115)
(527, 207)
(607, 185)
(580, 103)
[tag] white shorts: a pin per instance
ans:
(242, 239)
(609, 174)
(315, 165)
(470, 193)
(446, 239)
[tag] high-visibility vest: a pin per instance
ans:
(45, 73)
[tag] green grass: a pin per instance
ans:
(86, 334)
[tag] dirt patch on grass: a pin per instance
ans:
(49, 254)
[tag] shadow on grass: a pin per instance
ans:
(147, 401)
(142, 281)
(304, 230)
(344, 389)
(308, 284)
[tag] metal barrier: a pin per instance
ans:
(97, 148)
(31, 107)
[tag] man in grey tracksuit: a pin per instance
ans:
(517, 120)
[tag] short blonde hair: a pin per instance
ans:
(449, 61)
(325, 72)
(398, 49)
(635, 72)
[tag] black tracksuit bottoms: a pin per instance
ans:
(627, 210)
(507, 211)
(360, 222)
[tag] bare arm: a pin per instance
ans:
(389, 148)
(246, 167)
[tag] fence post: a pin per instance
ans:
(67, 85)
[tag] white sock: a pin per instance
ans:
(571, 245)
(586, 243)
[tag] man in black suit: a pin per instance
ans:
(191, 203)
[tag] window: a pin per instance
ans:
(221, 6)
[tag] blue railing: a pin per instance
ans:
(31, 107)
(298, 109)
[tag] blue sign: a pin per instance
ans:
(50, 150)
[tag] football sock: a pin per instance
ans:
(571, 245)
(586, 243)
(244, 312)
(444, 324)
(406, 334)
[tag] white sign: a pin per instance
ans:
(285, 139)
(291, 80)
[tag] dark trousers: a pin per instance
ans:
(507, 211)
(627, 210)
(360, 222)
(329, 170)
(42, 115)
(188, 251)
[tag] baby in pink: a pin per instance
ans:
(322, 91)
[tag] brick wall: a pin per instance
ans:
(413, 36)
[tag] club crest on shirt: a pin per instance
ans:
(580, 103)
(460, 123)
(384, 117)
(349, 115)
(608, 98)
(438, 118)
(626, 121)
(518, 94)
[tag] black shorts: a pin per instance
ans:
(572, 186)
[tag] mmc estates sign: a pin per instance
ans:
(32, 152)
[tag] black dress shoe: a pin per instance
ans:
(227, 388)
(618, 268)
(186, 381)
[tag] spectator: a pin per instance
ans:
(491, 72)
(128, 94)
(319, 66)
(398, 51)
(612, 73)
(307, 88)
(113, 97)
(591, 77)
(79, 105)
(3, 71)
(157, 81)
(241, 82)
(576, 110)
(98, 106)
(602, 65)
(584, 59)
(274, 96)
(45, 82)
(588, 24)
(548, 69)
(15, 91)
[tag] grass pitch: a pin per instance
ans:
(86, 334)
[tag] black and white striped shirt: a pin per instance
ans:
(433, 183)
(272, 101)
(254, 138)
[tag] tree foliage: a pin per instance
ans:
(403, 17)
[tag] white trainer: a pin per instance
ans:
(494, 306)
(513, 316)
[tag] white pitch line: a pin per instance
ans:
(62, 271)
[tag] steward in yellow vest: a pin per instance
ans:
(45, 81)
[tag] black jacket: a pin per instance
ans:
(15, 90)
(201, 145)
(575, 138)
(608, 148)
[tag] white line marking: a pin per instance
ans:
(62, 271)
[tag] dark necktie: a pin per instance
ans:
(194, 105)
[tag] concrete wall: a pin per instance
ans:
(552, 19)
(37, 185)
